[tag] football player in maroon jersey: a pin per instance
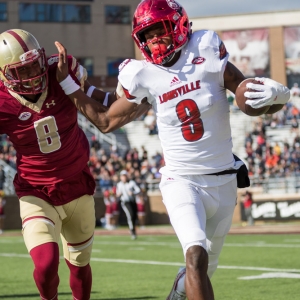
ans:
(53, 181)
(184, 77)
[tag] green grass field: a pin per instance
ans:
(252, 267)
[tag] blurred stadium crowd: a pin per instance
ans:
(265, 157)
(269, 155)
(106, 165)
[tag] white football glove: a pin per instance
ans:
(269, 93)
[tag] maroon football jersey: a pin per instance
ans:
(52, 151)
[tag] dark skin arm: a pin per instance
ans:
(232, 77)
(120, 113)
(99, 95)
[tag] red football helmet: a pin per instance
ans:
(175, 21)
(19, 49)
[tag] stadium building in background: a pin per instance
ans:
(264, 44)
(98, 34)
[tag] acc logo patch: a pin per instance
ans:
(24, 116)
(123, 64)
(173, 4)
(198, 60)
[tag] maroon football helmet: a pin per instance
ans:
(175, 21)
(20, 49)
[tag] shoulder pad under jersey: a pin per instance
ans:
(208, 40)
(131, 80)
(132, 66)
(72, 62)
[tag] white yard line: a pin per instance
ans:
(262, 245)
(271, 275)
(149, 262)
(259, 244)
(255, 245)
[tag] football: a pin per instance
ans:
(241, 99)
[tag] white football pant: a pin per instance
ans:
(200, 208)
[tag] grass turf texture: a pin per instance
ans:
(145, 268)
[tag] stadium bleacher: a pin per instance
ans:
(132, 147)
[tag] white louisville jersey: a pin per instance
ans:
(190, 102)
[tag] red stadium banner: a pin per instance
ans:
(249, 51)
(292, 49)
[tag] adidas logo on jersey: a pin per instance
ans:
(174, 81)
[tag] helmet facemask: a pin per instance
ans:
(33, 85)
(160, 53)
(176, 25)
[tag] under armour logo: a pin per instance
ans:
(51, 103)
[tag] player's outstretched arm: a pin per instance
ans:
(102, 97)
(120, 113)
(105, 98)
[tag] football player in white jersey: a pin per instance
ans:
(184, 78)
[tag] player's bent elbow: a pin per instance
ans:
(102, 128)
(105, 130)
(100, 121)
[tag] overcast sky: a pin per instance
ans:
(205, 8)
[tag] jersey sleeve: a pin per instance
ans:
(130, 78)
(78, 70)
(212, 46)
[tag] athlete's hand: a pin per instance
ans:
(267, 93)
(62, 70)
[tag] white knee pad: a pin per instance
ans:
(215, 240)
(39, 231)
(212, 264)
(214, 250)
(77, 255)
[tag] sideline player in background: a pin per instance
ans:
(184, 77)
(127, 190)
(53, 181)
